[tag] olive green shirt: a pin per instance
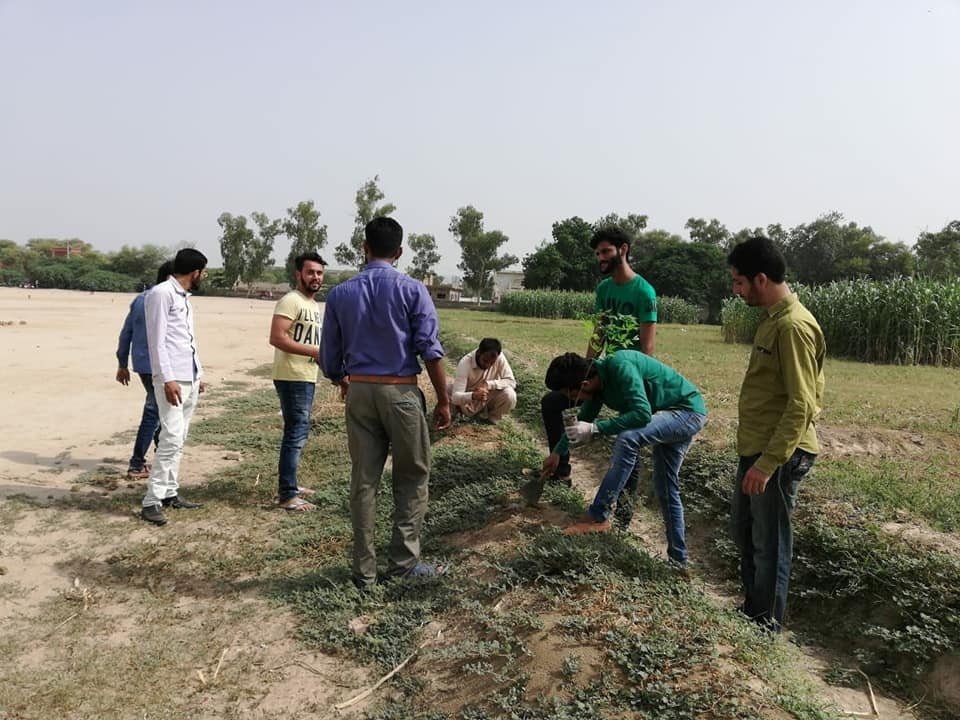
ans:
(782, 392)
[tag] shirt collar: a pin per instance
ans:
(376, 263)
(783, 305)
(177, 287)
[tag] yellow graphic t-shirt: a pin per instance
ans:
(305, 329)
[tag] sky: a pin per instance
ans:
(135, 122)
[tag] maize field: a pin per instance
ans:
(906, 321)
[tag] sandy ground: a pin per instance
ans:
(62, 407)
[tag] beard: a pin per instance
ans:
(309, 288)
(606, 268)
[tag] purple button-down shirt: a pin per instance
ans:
(377, 323)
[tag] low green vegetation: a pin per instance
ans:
(562, 304)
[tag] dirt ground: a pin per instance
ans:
(64, 343)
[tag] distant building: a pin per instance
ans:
(65, 251)
(444, 292)
(506, 281)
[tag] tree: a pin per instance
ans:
(259, 252)
(938, 254)
(711, 232)
(567, 263)
(425, 256)
(140, 263)
(633, 223)
(694, 271)
(543, 268)
(234, 241)
(366, 201)
(646, 245)
(302, 226)
(829, 249)
(479, 259)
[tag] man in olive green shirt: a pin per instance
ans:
(658, 407)
(780, 399)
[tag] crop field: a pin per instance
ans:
(241, 611)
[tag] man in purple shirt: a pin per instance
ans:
(375, 326)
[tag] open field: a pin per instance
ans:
(237, 610)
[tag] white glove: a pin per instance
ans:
(581, 432)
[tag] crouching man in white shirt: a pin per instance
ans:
(484, 386)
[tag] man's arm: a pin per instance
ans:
(126, 338)
(504, 373)
(460, 394)
(280, 339)
(156, 308)
(629, 386)
(438, 378)
(331, 344)
(648, 338)
(798, 366)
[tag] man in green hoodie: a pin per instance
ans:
(657, 406)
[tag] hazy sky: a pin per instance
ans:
(133, 122)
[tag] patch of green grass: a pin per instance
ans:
(925, 485)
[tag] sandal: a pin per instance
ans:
(298, 505)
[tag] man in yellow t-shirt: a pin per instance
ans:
(295, 336)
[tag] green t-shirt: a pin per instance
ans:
(305, 329)
(636, 386)
(636, 298)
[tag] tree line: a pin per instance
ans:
(827, 249)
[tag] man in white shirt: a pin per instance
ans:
(176, 378)
(484, 386)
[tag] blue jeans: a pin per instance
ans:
(149, 429)
(296, 402)
(762, 528)
(670, 432)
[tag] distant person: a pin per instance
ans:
(295, 336)
(780, 399)
(375, 326)
(657, 406)
(484, 386)
(176, 378)
(133, 337)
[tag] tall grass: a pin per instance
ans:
(560, 304)
(905, 321)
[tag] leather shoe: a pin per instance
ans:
(178, 503)
(152, 514)
(586, 526)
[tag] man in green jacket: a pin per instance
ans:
(657, 406)
(780, 399)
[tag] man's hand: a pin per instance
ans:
(171, 390)
(344, 386)
(481, 392)
(203, 388)
(550, 466)
(441, 417)
(580, 432)
(123, 376)
(754, 481)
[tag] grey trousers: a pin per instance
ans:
(382, 418)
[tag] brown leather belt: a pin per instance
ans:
(385, 379)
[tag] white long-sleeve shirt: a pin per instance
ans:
(498, 376)
(170, 336)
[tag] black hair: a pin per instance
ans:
(312, 256)
(613, 234)
(566, 372)
(164, 271)
(758, 255)
(189, 260)
(489, 345)
(384, 237)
